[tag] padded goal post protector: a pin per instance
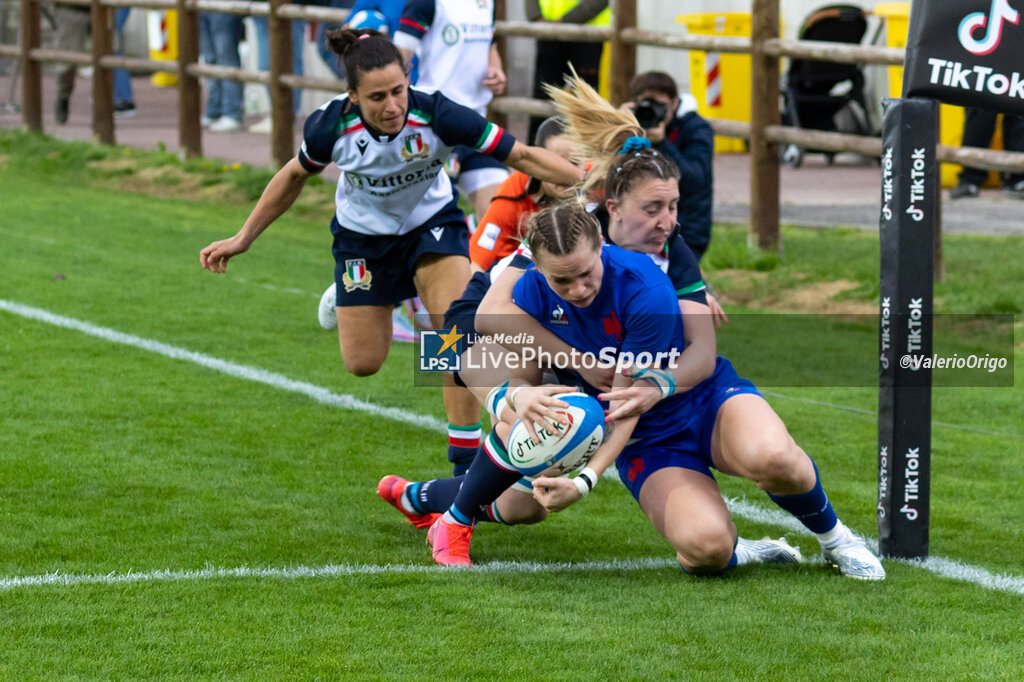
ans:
(968, 52)
(909, 177)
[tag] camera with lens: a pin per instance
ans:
(649, 113)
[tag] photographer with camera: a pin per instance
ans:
(677, 131)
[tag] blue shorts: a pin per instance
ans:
(462, 311)
(689, 445)
(378, 269)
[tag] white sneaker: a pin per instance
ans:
(225, 124)
(263, 127)
(326, 313)
(768, 551)
(853, 559)
(205, 121)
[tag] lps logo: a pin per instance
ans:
(441, 351)
(558, 316)
(999, 13)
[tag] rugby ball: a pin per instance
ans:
(369, 18)
(559, 453)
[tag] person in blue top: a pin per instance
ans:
(705, 417)
(398, 231)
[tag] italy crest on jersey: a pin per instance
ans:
(413, 147)
(356, 275)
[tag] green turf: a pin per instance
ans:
(116, 459)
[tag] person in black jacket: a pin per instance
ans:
(678, 132)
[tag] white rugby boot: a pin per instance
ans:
(768, 551)
(327, 314)
(850, 555)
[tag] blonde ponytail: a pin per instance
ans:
(596, 129)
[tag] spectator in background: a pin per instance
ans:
(219, 36)
(555, 56)
(73, 26)
(677, 131)
(979, 127)
(263, 62)
(124, 99)
(455, 42)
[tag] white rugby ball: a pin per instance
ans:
(571, 448)
(369, 18)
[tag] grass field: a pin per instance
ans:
(187, 475)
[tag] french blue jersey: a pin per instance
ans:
(636, 310)
(391, 185)
(453, 40)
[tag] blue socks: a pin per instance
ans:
(484, 482)
(811, 508)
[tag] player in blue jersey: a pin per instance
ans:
(665, 455)
(705, 415)
(641, 203)
(398, 231)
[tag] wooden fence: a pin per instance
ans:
(764, 131)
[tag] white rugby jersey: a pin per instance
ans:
(392, 185)
(453, 39)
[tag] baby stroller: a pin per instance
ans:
(826, 95)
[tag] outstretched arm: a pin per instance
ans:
(280, 194)
(539, 163)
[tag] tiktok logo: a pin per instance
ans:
(993, 22)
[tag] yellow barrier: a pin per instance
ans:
(720, 82)
(163, 44)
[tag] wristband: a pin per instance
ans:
(585, 481)
(664, 380)
(510, 397)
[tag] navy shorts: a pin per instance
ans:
(378, 269)
(689, 445)
(462, 311)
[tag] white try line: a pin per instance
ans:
(331, 571)
(940, 566)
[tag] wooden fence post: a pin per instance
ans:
(282, 115)
(623, 55)
(764, 112)
(32, 71)
(102, 79)
(190, 132)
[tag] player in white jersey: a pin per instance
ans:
(455, 43)
(398, 231)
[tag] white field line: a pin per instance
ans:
(873, 413)
(279, 381)
(331, 571)
(273, 287)
(948, 568)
